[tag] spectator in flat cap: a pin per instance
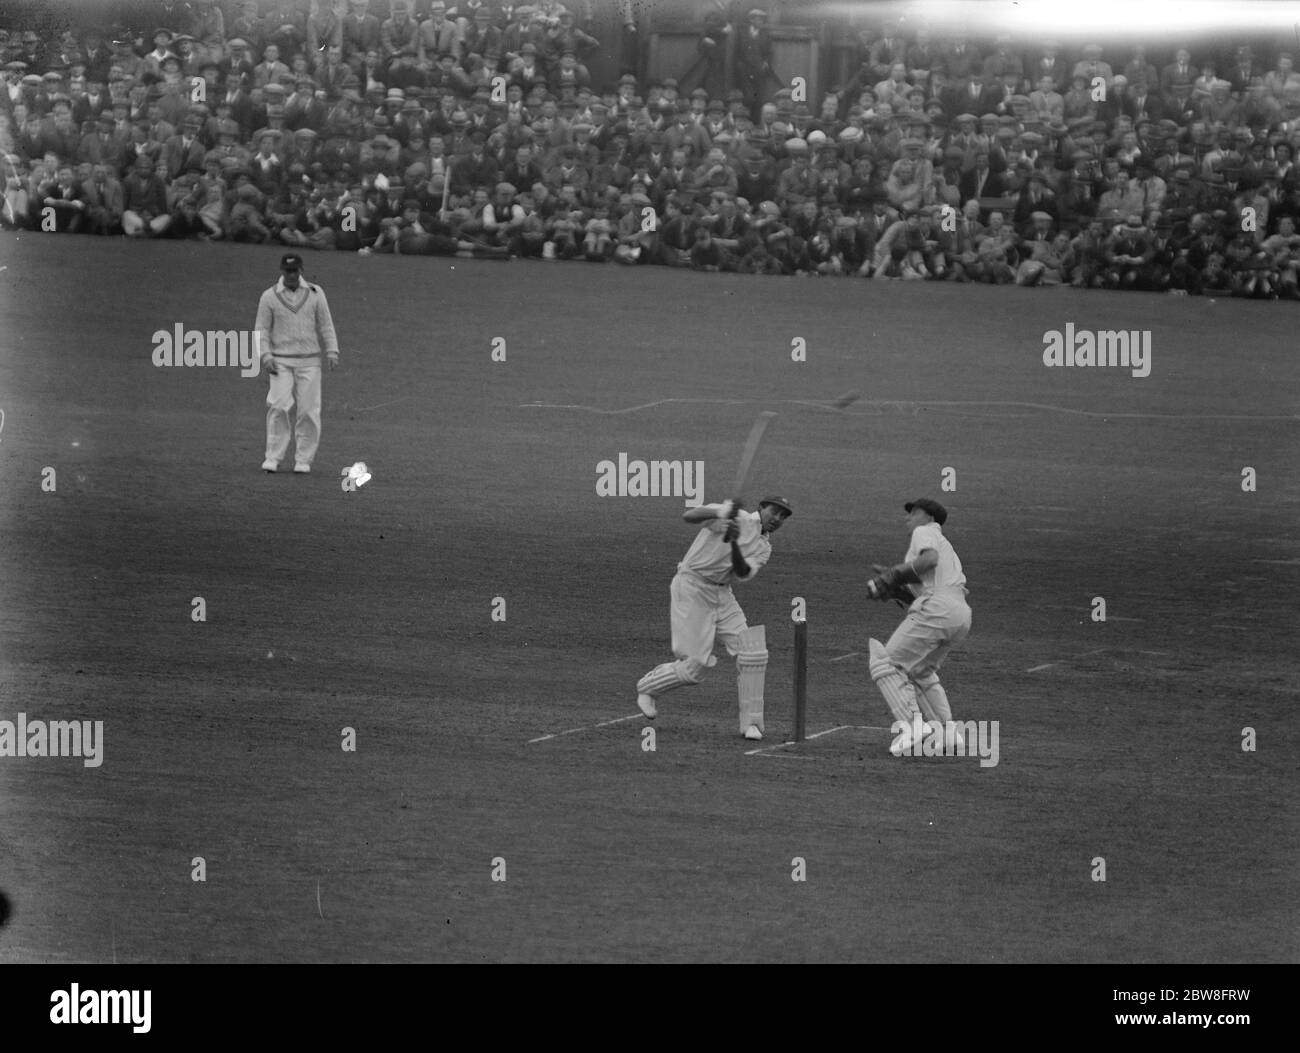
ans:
(162, 49)
(183, 152)
(476, 170)
(1128, 251)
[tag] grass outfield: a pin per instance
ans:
(372, 610)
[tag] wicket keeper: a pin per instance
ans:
(931, 582)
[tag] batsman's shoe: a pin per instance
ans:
(302, 469)
(646, 704)
(753, 733)
(269, 466)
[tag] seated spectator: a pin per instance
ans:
(144, 200)
(1121, 201)
(1128, 251)
(103, 197)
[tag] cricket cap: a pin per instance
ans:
(937, 512)
(780, 502)
(290, 261)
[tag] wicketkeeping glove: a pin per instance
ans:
(886, 586)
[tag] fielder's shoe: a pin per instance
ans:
(269, 466)
(302, 469)
(646, 704)
(753, 733)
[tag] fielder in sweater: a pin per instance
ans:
(295, 327)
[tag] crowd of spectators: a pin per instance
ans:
(477, 129)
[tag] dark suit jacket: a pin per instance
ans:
(182, 159)
(98, 151)
(994, 186)
(1152, 108)
(109, 199)
(959, 66)
(1059, 71)
(958, 99)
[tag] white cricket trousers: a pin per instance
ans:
(300, 384)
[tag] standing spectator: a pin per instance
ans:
(1047, 62)
(397, 33)
(1003, 61)
(1139, 68)
(324, 31)
(440, 35)
(1180, 71)
(1046, 103)
(1283, 84)
(1243, 70)
(1091, 66)
(889, 51)
(961, 60)
(753, 61)
(362, 33)
(209, 29)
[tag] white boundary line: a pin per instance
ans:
(1100, 650)
(592, 727)
(914, 406)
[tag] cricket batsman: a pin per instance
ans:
(733, 545)
(931, 582)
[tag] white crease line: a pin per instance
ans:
(899, 403)
(787, 756)
(1038, 667)
(367, 409)
(591, 727)
(809, 738)
(851, 654)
